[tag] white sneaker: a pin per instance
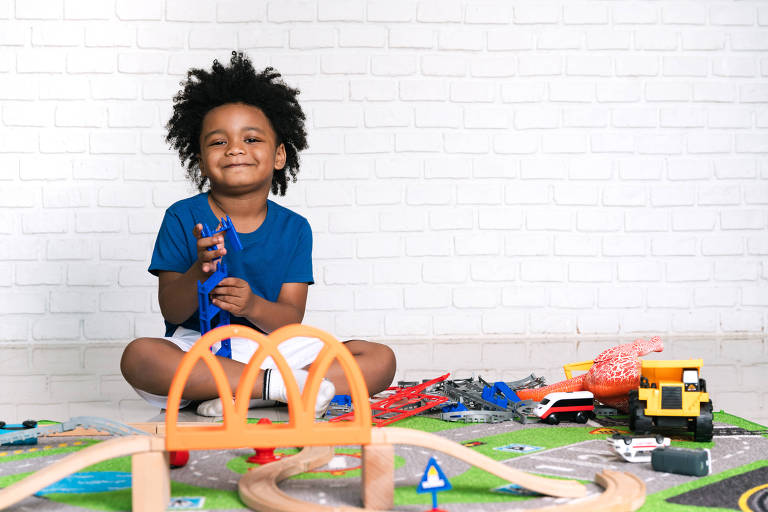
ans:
(274, 389)
(213, 407)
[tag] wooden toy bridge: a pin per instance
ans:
(258, 489)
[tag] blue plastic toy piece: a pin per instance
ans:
(454, 408)
(206, 310)
(342, 400)
(489, 394)
(504, 389)
(8, 428)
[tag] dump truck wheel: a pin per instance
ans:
(703, 432)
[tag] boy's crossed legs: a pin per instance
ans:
(148, 364)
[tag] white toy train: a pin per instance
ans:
(577, 406)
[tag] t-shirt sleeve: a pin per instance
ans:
(171, 247)
(299, 268)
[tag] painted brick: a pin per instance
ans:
(408, 325)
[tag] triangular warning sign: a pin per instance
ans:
(433, 480)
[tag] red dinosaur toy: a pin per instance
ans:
(613, 374)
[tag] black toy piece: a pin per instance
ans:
(681, 461)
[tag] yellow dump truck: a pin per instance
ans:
(671, 395)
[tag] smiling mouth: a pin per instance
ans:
(236, 165)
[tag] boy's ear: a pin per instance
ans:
(280, 156)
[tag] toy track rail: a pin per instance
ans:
(258, 488)
(737, 431)
(624, 492)
(717, 431)
(138, 445)
(86, 422)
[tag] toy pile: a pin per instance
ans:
(472, 400)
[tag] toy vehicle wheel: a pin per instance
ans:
(642, 423)
(2, 424)
(581, 417)
(627, 440)
(29, 424)
(703, 432)
(635, 406)
(659, 439)
(552, 419)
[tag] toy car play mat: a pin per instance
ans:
(739, 478)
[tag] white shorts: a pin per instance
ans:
(299, 352)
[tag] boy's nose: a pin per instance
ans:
(235, 149)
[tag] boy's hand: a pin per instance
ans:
(234, 295)
(204, 256)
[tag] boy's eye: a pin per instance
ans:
(217, 142)
(252, 139)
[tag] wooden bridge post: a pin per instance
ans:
(378, 476)
(151, 481)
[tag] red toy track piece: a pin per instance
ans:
(263, 455)
(179, 459)
(404, 403)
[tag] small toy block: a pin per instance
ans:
(378, 476)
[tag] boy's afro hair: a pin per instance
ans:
(237, 83)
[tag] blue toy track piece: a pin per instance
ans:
(489, 394)
(206, 310)
(504, 389)
(342, 400)
(454, 408)
(6, 429)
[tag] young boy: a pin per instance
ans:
(239, 132)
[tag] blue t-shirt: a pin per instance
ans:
(279, 251)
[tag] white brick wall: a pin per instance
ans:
(485, 179)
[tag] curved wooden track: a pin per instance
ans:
(258, 488)
(624, 492)
(118, 447)
(540, 484)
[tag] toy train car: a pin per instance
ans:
(573, 405)
(682, 461)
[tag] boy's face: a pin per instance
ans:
(238, 150)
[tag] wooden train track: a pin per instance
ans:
(624, 492)
(149, 463)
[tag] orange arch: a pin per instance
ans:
(301, 429)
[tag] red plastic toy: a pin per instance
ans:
(264, 455)
(179, 459)
(401, 404)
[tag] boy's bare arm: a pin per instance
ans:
(178, 293)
